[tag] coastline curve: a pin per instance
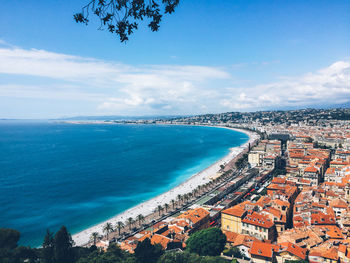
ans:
(147, 207)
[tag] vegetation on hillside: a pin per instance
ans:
(207, 242)
(203, 247)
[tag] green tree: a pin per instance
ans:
(119, 226)
(121, 17)
(207, 242)
(130, 222)
(63, 243)
(160, 209)
(24, 254)
(176, 257)
(145, 252)
(48, 248)
(185, 196)
(179, 198)
(108, 228)
(140, 218)
(113, 255)
(233, 251)
(166, 206)
(8, 238)
(186, 257)
(173, 203)
(210, 259)
(242, 161)
(10, 252)
(94, 237)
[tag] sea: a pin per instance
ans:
(78, 175)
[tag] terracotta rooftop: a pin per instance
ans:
(262, 249)
(234, 211)
(310, 169)
(195, 215)
(160, 239)
(293, 249)
(258, 220)
(339, 203)
(322, 219)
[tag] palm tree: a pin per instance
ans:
(119, 226)
(160, 208)
(186, 197)
(130, 222)
(189, 195)
(194, 191)
(107, 228)
(166, 206)
(140, 218)
(173, 203)
(179, 198)
(94, 237)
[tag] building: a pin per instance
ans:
(290, 252)
(259, 226)
(231, 219)
(198, 218)
(261, 252)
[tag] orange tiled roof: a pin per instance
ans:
(230, 236)
(262, 249)
(195, 215)
(322, 219)
(281, 202)
(334, 232)
(234, 211)
(293, 249)
(278, 180)
(330, 253)
(160, 239)
(258, 220)
(175, 229)
(310, 169)
(339, 203)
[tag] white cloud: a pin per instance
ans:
(328, 86)
(68, 93)
(124, 88)
(117, 88)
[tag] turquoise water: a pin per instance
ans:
(79, 175)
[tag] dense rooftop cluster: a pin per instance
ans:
(308, 116)
(312, 220)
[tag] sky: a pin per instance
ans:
(209, 56)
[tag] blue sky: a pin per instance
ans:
(209, 56)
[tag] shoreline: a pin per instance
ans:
(147, 207)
